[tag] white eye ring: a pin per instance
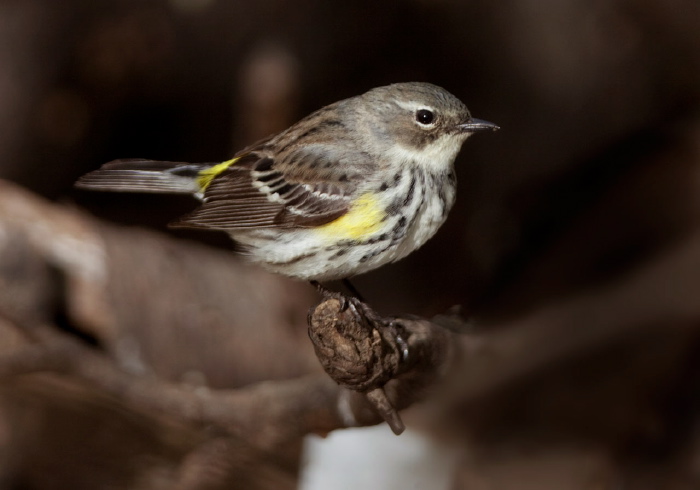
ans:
(425, 117)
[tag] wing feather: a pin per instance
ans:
(255, 193)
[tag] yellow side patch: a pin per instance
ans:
(363, 219)
(205, 177)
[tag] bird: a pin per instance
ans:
(355, 185)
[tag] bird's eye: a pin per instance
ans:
(424, 116)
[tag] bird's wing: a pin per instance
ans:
(256, 191)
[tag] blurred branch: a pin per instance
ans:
(662, 294)
(266, 414)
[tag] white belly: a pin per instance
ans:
(311, 255)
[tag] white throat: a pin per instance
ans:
(438, 155)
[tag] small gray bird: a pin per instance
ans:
(355, 185)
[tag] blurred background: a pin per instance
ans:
(593, 176)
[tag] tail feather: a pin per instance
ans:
(144, 176)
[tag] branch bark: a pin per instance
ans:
(267, 414)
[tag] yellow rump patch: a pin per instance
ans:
(205, 177)
(363, 219)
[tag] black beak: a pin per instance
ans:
(475, 125)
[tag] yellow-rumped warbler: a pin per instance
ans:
(355, 185)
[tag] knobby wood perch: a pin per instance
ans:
(363, 351)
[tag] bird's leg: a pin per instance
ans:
(344, 299)
(328, 293)
(353, 290)
(325, 292)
